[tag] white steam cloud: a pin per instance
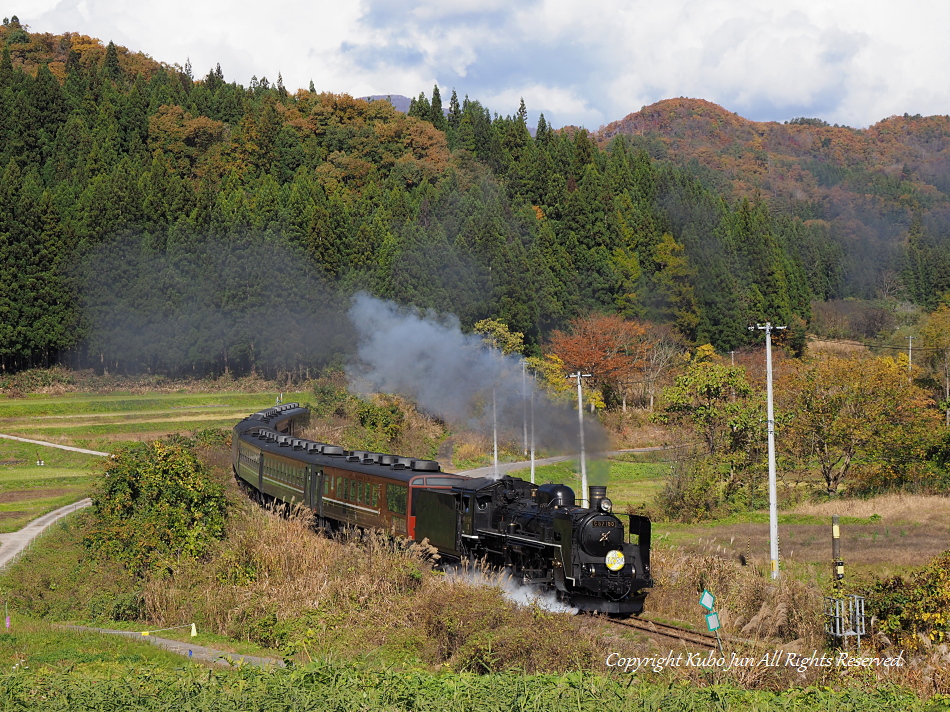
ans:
(512, 590)
(426, 357)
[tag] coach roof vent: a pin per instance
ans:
(387, 459)
(334, 450)
(425, 466)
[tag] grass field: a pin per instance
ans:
(629, 483)
(29, 490)
(93, 422)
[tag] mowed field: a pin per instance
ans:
(93, 422)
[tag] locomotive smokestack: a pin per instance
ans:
(597, 494)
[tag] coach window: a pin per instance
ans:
(396, 498)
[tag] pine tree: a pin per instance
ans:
(110, 65)
(455, 111)
(436, 116)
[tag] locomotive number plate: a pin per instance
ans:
(604, 523)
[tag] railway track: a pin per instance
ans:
(663, 630)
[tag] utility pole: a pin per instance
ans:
(524, 401)
(773, 489)
(494, 430)
(910, 354)
(580, 422)
(533, 389)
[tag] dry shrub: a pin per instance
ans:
(634, 429)
(751, 605)
(471, 447)
(420, 432)
(274, 578)
(474, 628)
(325, 431)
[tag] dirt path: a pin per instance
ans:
(61, 447)
(13, 543)
(190, 650)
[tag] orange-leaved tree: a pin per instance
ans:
(606, 346)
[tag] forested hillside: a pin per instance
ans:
(880, 194)
(152, 220)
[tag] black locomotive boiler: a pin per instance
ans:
(544, 539)
(537, 533)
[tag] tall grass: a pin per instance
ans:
(274, 582)
(751, 604)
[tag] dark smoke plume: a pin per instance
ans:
(198, 305)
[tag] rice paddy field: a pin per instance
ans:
(36, 479)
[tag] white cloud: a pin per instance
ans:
(846, 61)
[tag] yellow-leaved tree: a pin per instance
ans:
(859, 419)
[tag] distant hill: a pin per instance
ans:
(399, 102)
(870, 186)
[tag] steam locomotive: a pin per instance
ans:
(537, 533)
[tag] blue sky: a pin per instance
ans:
(587, 64)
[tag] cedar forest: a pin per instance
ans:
(153, 221)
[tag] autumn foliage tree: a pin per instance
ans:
(858, 419)
(714, 400)
(605, 346)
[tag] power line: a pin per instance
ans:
(878, 346)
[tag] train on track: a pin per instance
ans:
(539, 534)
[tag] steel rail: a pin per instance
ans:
(668, 631)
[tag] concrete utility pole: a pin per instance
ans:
(773, 489)
(910, 354)
(494, 429)
(580, 422)
(533, 389)
(524, 401)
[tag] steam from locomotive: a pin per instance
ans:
(427, 358)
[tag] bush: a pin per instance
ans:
(692, 491)
(156, 503)
(914, 613)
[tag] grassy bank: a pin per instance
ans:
(341, 687)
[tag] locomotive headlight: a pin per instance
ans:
(614, 560)
(606, 505)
